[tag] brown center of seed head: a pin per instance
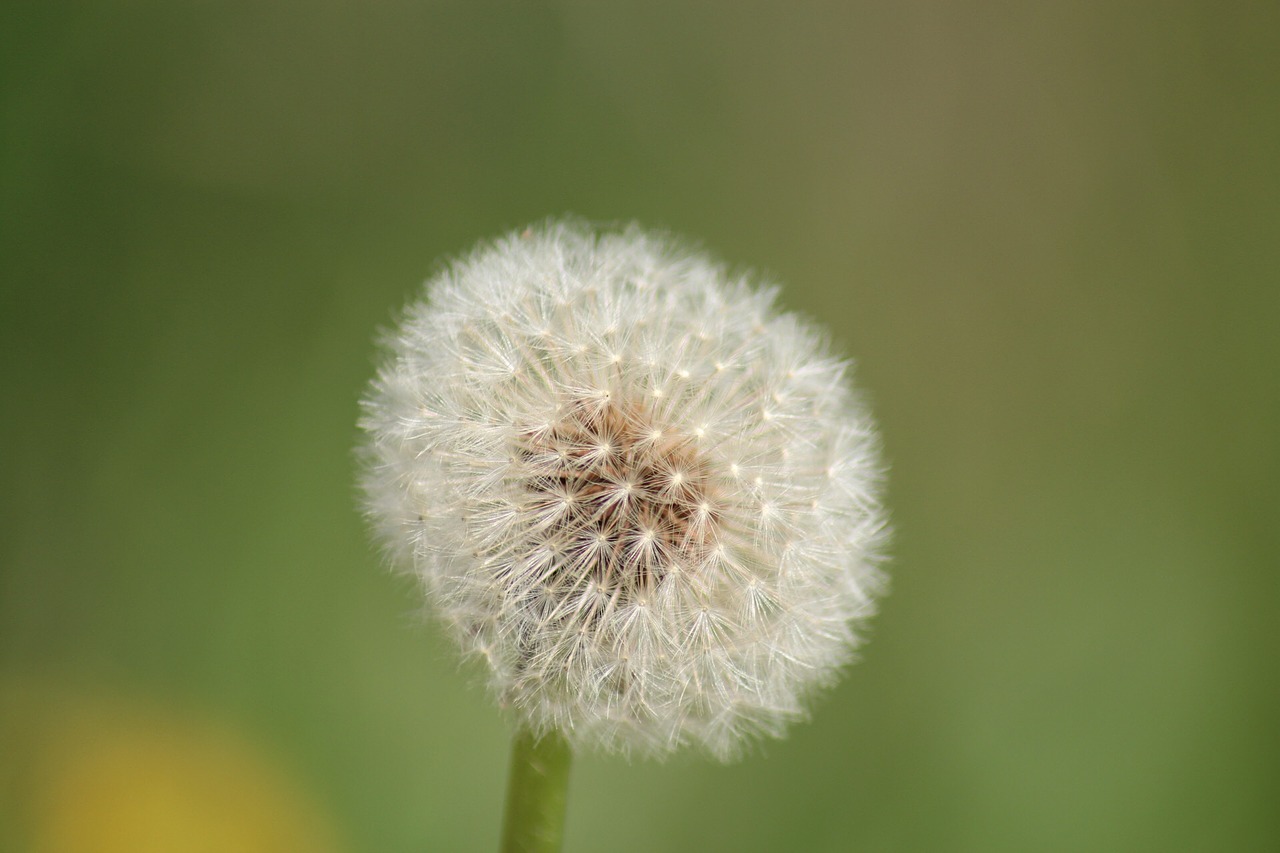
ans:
(617, 499)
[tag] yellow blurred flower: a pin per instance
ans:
(102, 776)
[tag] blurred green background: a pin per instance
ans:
(1049, 236)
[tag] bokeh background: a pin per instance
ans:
(1049, 234)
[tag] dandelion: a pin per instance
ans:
(646, 499)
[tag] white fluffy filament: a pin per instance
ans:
(645, 498)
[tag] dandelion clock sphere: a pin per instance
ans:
(645, 498)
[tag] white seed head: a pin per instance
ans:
(646, 499)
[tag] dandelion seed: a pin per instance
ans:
(644, 497)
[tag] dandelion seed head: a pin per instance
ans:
(646, 499)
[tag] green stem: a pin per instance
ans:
(536, 794)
